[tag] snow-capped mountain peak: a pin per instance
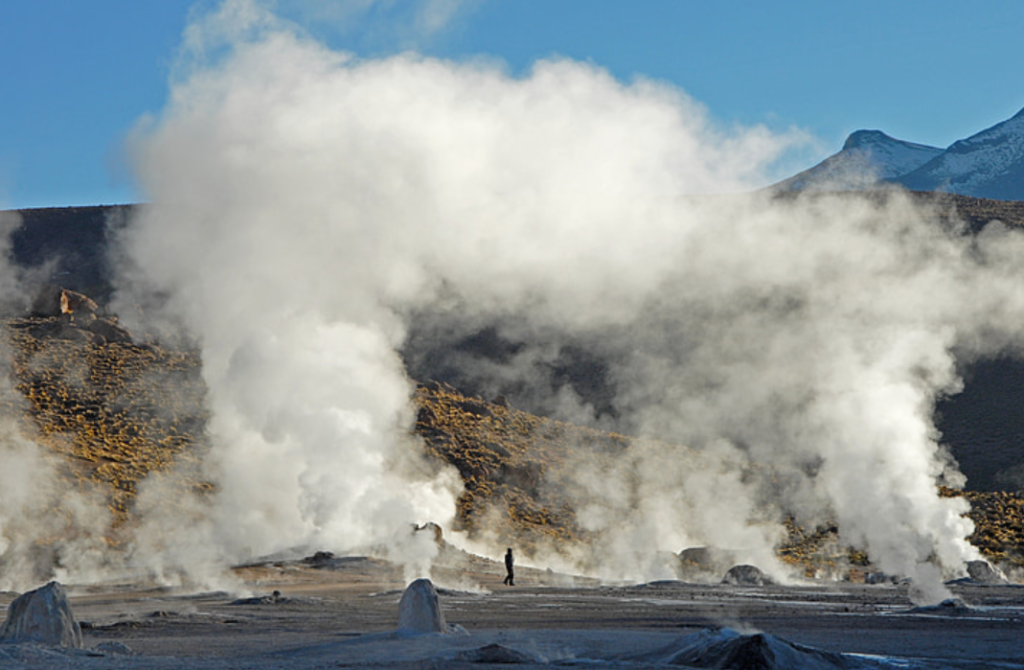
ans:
(889, 156)
(867, 157)
(989, 164)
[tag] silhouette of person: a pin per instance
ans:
(509, 563)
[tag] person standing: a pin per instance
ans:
(509, 563)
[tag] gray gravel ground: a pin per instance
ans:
(343, 613)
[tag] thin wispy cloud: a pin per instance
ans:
(386, 25)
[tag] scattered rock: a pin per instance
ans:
(319, 558)
(115, 648)
(274, 598)
(79, 317)
(419, 611)
(746, 575)
(494, 653)
(44, 617)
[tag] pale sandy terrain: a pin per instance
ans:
(343, 613)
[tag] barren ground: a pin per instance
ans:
(343, 613)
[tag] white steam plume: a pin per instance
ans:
(307, 204)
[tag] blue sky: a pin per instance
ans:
(78, 75)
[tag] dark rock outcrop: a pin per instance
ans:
(746, 575)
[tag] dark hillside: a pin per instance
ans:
(985, 425)
(74, 239)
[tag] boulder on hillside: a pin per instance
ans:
(746, 575)
(419, 611)
(44, 617)
(79, 319)
(78, 306)
(54, 300)
(110, 330)
(47, 301)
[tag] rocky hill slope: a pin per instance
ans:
(115, 411)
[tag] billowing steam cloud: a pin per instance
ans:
(309, 209)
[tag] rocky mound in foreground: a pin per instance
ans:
(115, 411)
(727, 648)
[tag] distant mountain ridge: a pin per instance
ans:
(988, 164)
